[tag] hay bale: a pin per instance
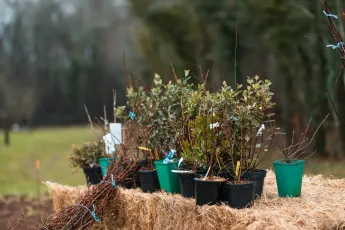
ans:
(320, 207)
(63, 195)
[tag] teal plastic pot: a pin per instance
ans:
(105, 163)
(168, 180)
(289, 177)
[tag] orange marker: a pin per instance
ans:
(343, 12)
(38, 164)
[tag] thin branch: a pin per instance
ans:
(88, 117)
(114, 104)
(235, 60)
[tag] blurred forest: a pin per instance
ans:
(57, 55)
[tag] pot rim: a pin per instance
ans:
(296, 162)
(171, 161)
(146, 170)
(208, 181)
(259, 173)
(183, 171)
(241, 185)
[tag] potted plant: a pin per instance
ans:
(186, 174)
(86, 158)
(189, 101)
(207, 187)
(247, 113)
(289, 171)
(155, 111)
(147, 172)
(204, 145)
(240, 192)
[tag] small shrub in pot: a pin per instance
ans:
(86, 157)
(289, 170)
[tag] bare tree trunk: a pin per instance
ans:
(7, 136)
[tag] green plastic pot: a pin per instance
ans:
(289, 177)
(104, 163)
(168, 180)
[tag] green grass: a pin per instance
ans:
(49, 145)
(52, 145)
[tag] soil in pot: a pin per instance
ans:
(240, 194)
(289, 177)
(93, 175)
(207, 191)
(257, 175)
(149, 180)
(187, 183)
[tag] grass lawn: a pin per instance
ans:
(52, 146)
(49, 145)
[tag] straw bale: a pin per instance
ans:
(63, 195)
(322, 206)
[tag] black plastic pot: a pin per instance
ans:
(187, 183)
(149, 180)
(241, 195)
(93, 175)
(257, 175)
(206, 192)
(222, 193)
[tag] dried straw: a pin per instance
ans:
(320, 207)
(63, 195)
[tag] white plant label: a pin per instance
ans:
(262, 128)
(116, 132)
(109, 143)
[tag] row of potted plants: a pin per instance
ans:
(208, 145)
(220, 139)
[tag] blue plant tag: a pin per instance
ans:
(166, 160)
(169, 156)
(171, 153)
(131, 115)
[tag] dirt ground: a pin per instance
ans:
(22, 212)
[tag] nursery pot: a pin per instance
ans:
(93, 175)
(206, 192)
(105, 163)
(187, 183)
(149, 180)
(222, 192)
(241, 195)
(289, 177)
(168, 180)
(131, 181)
(257, 175)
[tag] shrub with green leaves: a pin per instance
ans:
(88, 154)
(248, 124)
(161, 111)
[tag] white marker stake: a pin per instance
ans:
(179, 162)
(207, 172)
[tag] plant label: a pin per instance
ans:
(109, 143)
(116, 132)
(166, 160)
